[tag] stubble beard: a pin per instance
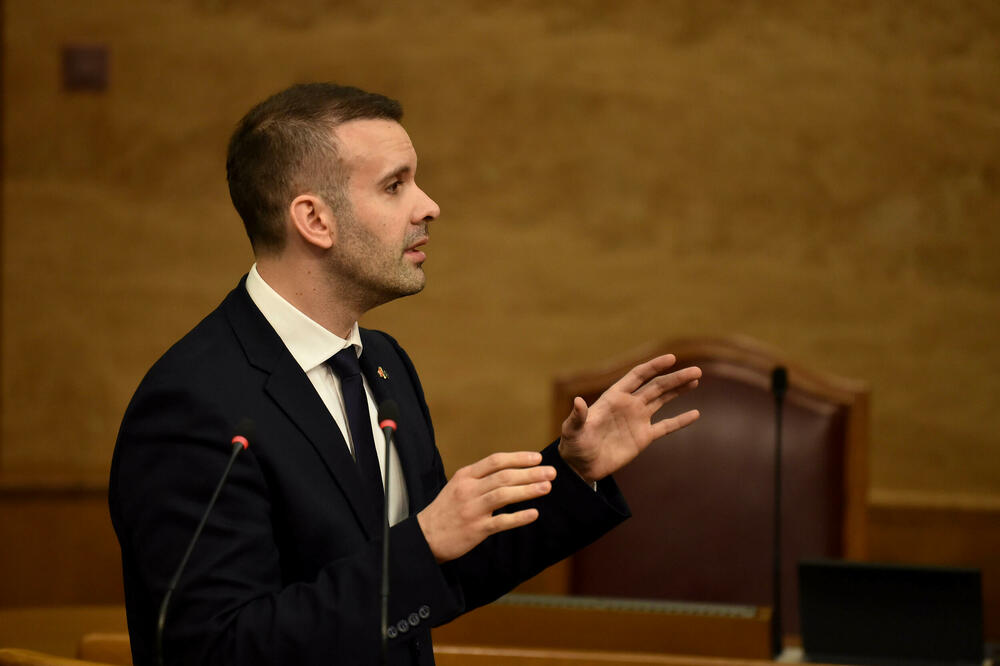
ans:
(372, 273)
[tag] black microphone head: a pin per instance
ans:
(388, 410)
(244, 432)
(779, 381)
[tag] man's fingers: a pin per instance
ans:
(664, 398)
(504, 495)
(579, 414)
(516, 477)
(498, 461)
(577, 417)
(508, 521)
(461, 516)
(667, 426)
(680, 380)
(643, 372)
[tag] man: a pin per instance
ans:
(287, 569)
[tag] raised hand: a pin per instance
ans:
(461, 516)
(600, 439)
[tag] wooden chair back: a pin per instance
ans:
(702, 498)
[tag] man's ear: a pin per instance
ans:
(313, 220)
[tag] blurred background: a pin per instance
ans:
(822, 176)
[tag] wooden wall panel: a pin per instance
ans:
(941, 530)
(57, 546)
(820, 177)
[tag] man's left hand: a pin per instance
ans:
(601, 439)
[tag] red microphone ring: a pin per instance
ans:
(240, 439)
(387, 423)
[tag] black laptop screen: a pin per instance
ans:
(863, 613)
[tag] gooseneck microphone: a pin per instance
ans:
(241, 439)
(388, 414)
(779, 386)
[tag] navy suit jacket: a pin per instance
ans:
(287, 569)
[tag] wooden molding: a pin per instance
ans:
(560, 622)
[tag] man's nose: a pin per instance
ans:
(427, 210)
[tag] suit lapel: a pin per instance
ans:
(292, 391)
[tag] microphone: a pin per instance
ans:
(779, 383)
(779, 386)
(241, 440)
(388, 414)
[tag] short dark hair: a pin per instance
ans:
(284, 146)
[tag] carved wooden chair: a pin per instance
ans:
(702, 497)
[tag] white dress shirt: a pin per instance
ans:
(311, 346)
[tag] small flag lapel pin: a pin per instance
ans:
(382, 373)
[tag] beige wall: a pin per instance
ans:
(824, 176)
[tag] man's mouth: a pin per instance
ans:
(414, 250)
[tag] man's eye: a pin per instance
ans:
(392, 189)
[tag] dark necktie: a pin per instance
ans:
(345, 364)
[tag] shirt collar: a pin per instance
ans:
(309, 343)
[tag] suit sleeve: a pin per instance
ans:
(570, 517)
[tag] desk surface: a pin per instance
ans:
(57, 629)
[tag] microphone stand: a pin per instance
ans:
(388, 414)
(239, 442)
(779, 385)
(385, 560)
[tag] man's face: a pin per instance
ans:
(381, 230)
